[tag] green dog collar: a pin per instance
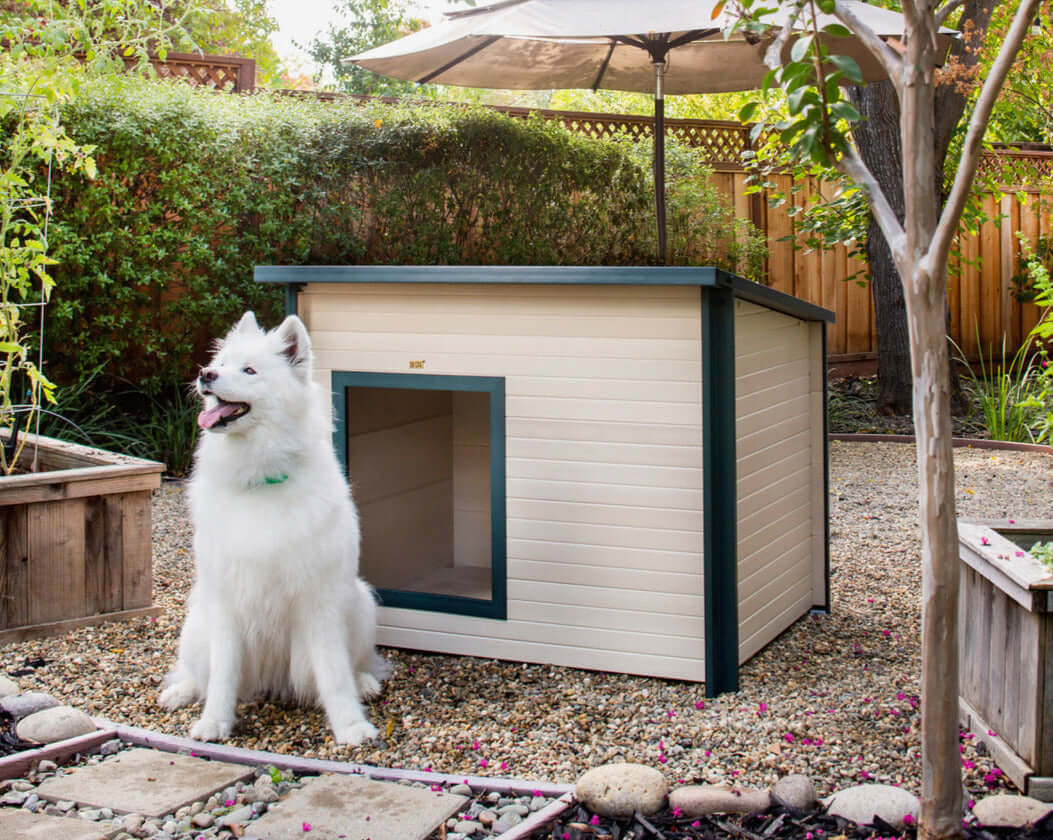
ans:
(276, 479)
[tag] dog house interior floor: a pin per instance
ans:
(463, 581)
(420, 461)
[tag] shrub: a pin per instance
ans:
(195, 188)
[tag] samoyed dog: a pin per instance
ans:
(277, 608)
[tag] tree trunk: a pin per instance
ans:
(925, 295)
(877, 137)
(878, 140)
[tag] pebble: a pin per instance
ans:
(795, 792)
(202, 819)
(699, 800)
(20, 705)
(617, 790)
(8, 687)
(862, 803)
(238, 815)
(54, 724)
(1006, 811)
(47, 766)
(506, 822)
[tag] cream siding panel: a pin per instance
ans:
(775, 451)
(622, 600)
(619, 496)
(603, 458)
(566, 653)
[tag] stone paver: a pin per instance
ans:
(143, 781)
(354, 807)
(19, 824)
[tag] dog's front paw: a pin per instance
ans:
(368, 686)
(178, 695)
(356, 733)
(207, 729)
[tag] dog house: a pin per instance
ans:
(611, 468)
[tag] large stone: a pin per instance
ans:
(8, 688)
(55, 724)
(1008, 811)
(20, 705)
(355, 807)
(17, 824)
(142, 781)
(862, 803)
(795, 792)
(699, 800)
(617, 790)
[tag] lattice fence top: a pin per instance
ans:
(1011, 166)
(723, 142)
(223, 72)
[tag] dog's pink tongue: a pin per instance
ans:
(210, 417)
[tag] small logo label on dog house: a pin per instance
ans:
(416, 364)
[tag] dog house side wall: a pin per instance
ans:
(780, 451)
(604, 459)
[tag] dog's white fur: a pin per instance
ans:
(277, 608)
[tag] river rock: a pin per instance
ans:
(1009, 811)
(698, 800)
(55, 724)
(8, 688)
(617, 790)
(20, 705)
(862, 803)
(506, 822)
(795, 792)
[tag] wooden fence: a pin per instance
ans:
(980, 290)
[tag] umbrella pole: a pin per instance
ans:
(659, 157)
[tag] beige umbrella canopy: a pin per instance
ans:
(659, 46)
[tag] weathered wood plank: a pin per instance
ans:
(56, 560)
(136, 543)
(14, 567)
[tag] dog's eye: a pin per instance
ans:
(249, 370)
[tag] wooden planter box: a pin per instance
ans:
(75, 539)
(1006, 648)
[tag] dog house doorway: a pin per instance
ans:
(426, 457)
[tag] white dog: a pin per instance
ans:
(277, 608)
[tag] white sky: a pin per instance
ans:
(302, 20)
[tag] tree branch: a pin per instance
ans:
(947, 227)
(945, 12)
(851, 164)
(886, 56)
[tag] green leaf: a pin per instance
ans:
(747, 111)
(800, 48)
(800, 98)
(826, 6)
(844, 111)
(847, 65)
(837, 30)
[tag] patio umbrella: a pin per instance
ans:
(664, 46)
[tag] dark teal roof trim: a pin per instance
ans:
(559, 275)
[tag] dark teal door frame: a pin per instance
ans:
(719, 492)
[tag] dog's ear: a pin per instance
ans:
(296, 344)
(247, 324)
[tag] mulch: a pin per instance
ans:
(778, 823)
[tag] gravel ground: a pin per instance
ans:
(834, 697)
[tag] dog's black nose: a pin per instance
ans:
(207, 376)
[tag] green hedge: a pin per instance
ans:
(196, 187)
